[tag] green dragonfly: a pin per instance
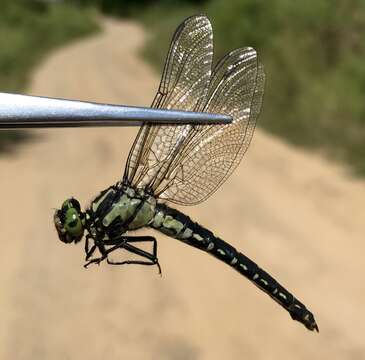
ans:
(181, 164)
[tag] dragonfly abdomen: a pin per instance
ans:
(179, 226)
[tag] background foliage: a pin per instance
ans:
(313, 52)
(28, 30)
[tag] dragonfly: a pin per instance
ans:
(181, 164)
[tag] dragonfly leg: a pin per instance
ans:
(96, 260)
(132, 239)
(89, 250)
(125, 243)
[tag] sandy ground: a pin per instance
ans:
(298, 216)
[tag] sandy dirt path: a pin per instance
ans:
(298, 216)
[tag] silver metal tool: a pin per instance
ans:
(23, 111)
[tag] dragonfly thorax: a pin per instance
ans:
(119, 209)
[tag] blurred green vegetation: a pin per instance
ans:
(313, 52)
(126, 8)
(28, 30)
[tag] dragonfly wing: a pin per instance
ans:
(184, 85)
(185, 164)
(211, 153)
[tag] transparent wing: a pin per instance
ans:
(186, 164)
(211, 153)
(184, 85)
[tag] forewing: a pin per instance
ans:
(184, 85)
(211, 153)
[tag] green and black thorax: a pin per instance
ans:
(119, 209)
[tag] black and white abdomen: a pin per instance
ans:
(179, 226)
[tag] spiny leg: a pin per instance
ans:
(151, 257)
(125, 243)
(104, 253)
(136, 239)
(89, 251)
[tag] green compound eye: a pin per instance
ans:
(69, 221)
(73, 224)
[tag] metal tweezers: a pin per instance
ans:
(23, 112)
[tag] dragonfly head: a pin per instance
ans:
(70, 221)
